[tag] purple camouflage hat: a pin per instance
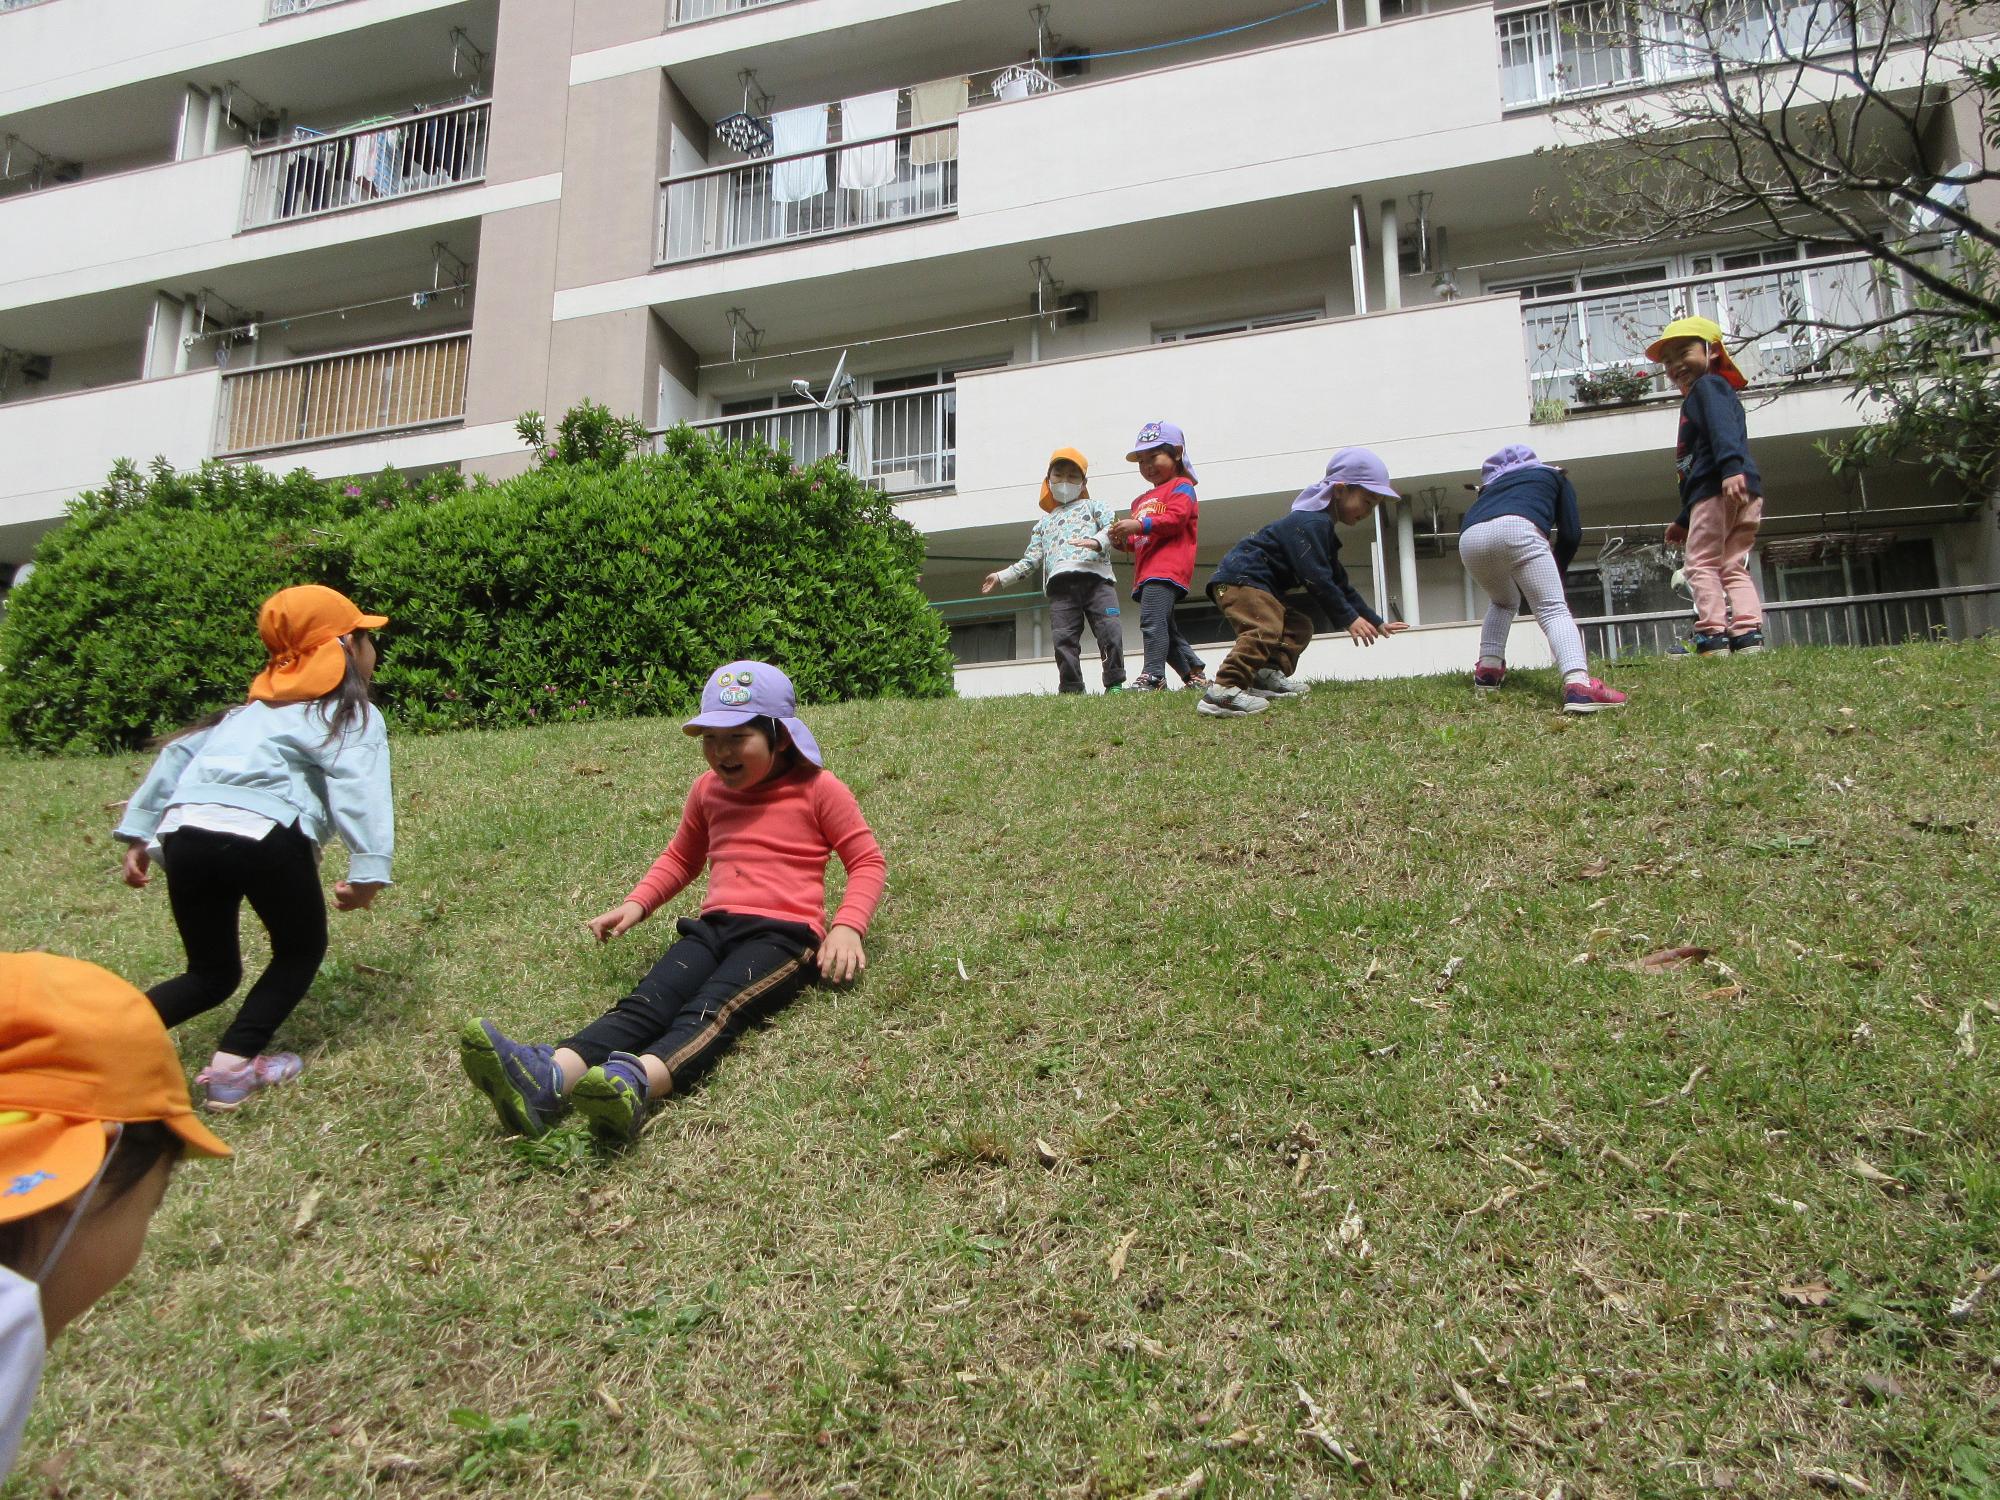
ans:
(1358, 466)
(1161, 435)
(746, 690)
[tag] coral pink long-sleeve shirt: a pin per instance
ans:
(766, 849)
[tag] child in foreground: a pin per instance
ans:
(94, 1116)
(1298, 550)
(1722, 494)
(1160, 534)
(764, 817)
(1070, 545)
(237, 809)
(1516, 540)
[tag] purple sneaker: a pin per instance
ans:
(1486, 679)
(613, 1100)
(227, 1088)
(522, 1080)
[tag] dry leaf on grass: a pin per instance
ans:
(308, 1206)
(1664, 959)
(1805, 1294)
(1700, 1072)
(1867, 1171)
(1967, 1047)
(1597, 869)
(1116, 1259)
(1242, 1437)
(1501, 1199)
(1185, 1489)
(1963, 1307)
(961, 970)
(1464, 1398)
(1837, 1481)
(1317, 1434)
(1045, 1153)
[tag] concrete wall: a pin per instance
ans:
(109, 221)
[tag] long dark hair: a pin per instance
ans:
(141, 1146)
(341, 710)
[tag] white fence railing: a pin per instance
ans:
(1564, 49)
(902, 442)
(332, 397)
(7, 5)
(277, 9)
(1769, 315)
(438, 148)
(911, 174)
(1850, 620)
(702, 10)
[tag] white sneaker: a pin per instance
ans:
(1230, 703)
(1271, 683)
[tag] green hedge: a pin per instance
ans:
(585, 589)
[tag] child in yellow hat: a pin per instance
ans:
(1071, 545)
(94, 1116)
(237, 810)
(1722, 494)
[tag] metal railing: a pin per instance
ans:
(7, 5)
(420, 153)
(1587, 332)
(892, 179)
(277, 9)
(702, 10)
(901, 442)
(1566, 49)
(1849, 620)
(332, 397)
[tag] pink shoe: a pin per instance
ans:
(1486, 679)
(229, 1087)
(1589, 697)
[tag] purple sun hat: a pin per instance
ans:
(1506, 460)
(1161, 435)
(746, 690)
(1357, 466)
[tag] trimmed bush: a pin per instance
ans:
(582, 591)
(586, 588)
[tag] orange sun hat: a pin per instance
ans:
(1048, 500)
(79, 1047)
(302, 628)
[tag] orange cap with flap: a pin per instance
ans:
(302, 628)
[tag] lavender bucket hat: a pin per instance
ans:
(746, 690)
(1162, 435)
(1358, 466)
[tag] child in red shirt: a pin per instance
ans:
(1160, 535)
(765, 818)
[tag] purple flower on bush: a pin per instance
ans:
(351, 491)
(548, 453)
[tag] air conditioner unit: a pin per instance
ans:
(899, 481)
(35, 366)
(1071, 62)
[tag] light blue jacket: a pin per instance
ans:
(279, 762)
(1057, 544)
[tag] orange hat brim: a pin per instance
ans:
(1048, 500)
(302, 677)
(46, 1160)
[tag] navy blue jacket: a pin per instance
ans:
(1298, 550)
(1540, 494)
(1714, 444)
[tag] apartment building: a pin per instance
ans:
(938, 238)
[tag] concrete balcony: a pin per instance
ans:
(155, 211)
(307, 403)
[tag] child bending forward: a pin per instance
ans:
(764, 816)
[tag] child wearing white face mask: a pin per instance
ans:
(1071, 546)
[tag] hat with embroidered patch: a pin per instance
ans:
(1710, 333)
(79, 1049)
(1162, 435)
(1065, 455)
(746, 690)
(302, 628)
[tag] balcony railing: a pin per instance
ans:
(333, 397)
(1564, 49)
(1850, 620)
(1768, 314)
(903, 442)
(892, 179)
(276, 9)
(702, 10)
(7, 5)
(421, 153)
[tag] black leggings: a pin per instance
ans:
(725, 972)
(209, 876)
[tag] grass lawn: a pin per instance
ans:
(1199, 1065)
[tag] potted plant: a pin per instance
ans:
(1615, 385)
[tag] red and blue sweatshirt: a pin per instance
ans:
(1164, 548)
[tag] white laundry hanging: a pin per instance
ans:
(794, 130)
(865, 118)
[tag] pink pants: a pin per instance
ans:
(1720, 534)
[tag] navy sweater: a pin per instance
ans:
(1542, 495)
(1298, 550)
(1714, 444)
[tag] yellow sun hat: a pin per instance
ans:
(1710, 333)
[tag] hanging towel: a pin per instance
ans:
(798, 130)
(937, 104)
(868, 117)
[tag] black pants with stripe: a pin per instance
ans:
(725, 972)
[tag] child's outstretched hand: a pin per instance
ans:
(1676, 534)
(1395, 627)
(989, 583)
(840, 955)
(620, 920)
(136, 862)
(355, 896)
(1363, 632)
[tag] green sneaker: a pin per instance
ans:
(521, 1080)
(612, 1100)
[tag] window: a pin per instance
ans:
(912, 428)
(982, 640)
(1579, 336)
(1192, 331)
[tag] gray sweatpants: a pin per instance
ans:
(1076, 599)
(1510, 558)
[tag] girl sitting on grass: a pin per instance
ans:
(764, 817)
(237, 808)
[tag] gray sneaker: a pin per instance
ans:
(1271, 683)
(1230, 703)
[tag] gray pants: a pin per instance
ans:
(1165, 645)
(1510, 558)
(1073, 599)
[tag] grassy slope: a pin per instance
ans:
(840, 1268)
